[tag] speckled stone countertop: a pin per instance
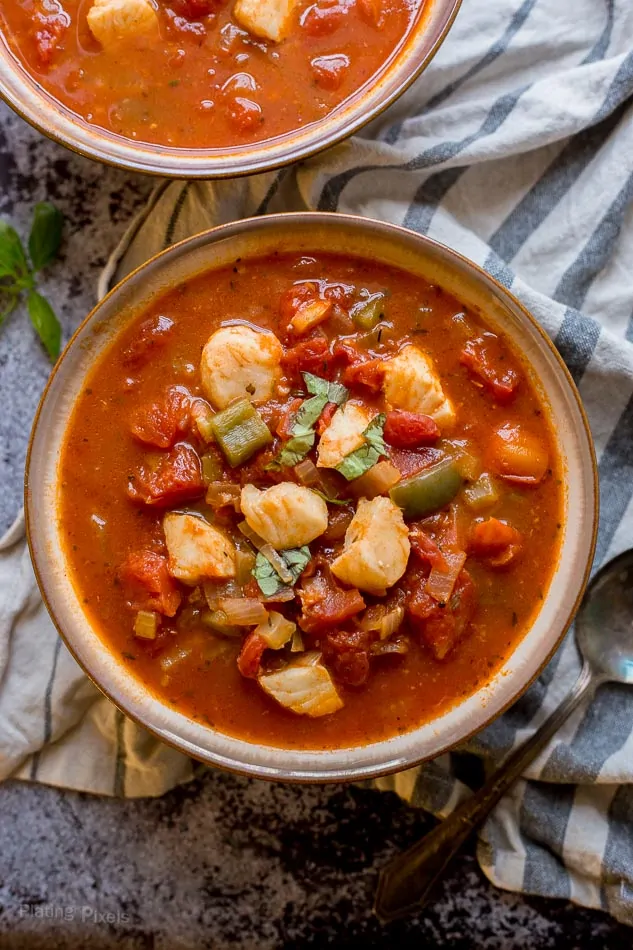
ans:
(223, 862)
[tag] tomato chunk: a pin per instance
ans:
(369, 374)
(371, 11)
(244, 114)
(347, 653)
(485, 358)
(326, 605)
(193, 9)
(309, 356)
(409, 462)
(152, 335)
(296, 297)
(284, 426)
(161, 423)
(409, 430)
(250, 656)
(441, 627)
(496, 541)
(326, 417)
(426, 549)
(149, 584)
(329, 71)
(51, 22)
(176, 477)
(323, 18)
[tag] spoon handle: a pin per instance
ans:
(405, 883)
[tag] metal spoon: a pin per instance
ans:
(604, 634)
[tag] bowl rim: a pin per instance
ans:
(349, 773)
(61, 125)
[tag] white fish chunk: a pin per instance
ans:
(344, 434)
(376, 549)
(412, 383)
(269, 19)
(304, 686)
(196, 549)
(240, 363)
(285, 515)
(112, 22)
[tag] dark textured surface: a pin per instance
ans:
(231, 863)
(225, 862)
(98, 203)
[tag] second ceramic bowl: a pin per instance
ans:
(24, 94)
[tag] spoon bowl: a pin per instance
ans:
(604, 626)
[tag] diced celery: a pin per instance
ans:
(368, 314)
(211, 468)
(218, 621)
(240, 431)
(146, 625)
(482, 493)
(428, 491)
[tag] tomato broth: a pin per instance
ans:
(199, 79)
(463, 501)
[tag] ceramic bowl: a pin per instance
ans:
(24, 94)
(309, 233)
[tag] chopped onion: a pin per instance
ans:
(482, 494)
(276, 630)
(243, 611)
(377, 481)
(385, 647)
(202, 415)
(338, 525)
(278, 563)
(383, 619)
(284, 595)
(331, 483)
(297, 645)
(244, 564)
(372, 618)
(252, 536)
(310, 315)
(220, 494)
(391, 622)
(440, 583)
(176, 655)
(146, 625)
(307, 472)
(215, 592)
(268, 551)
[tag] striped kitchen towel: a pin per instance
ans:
(516, 148)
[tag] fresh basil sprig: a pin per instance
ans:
(270, 583)
(357, 463)
(302, 432)
(18, 272)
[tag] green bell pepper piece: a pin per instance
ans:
(428, 491)
(240, 431)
